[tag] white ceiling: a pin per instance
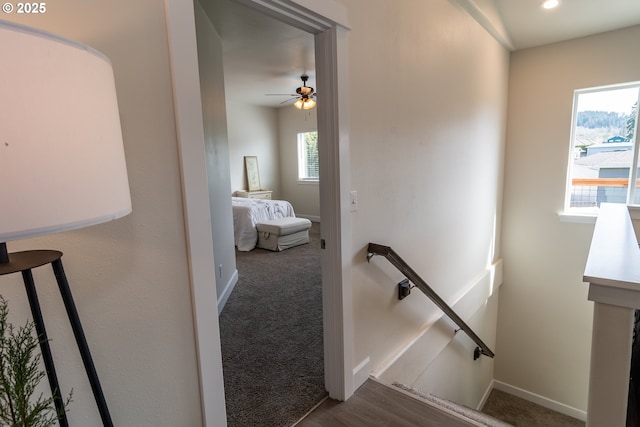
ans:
(529, 25)
(262, 55)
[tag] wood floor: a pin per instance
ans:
(374, 404)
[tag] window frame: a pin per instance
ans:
(583, 215)
(302, 159)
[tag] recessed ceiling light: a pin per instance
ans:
(550, 4)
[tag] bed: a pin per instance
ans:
(248, 212)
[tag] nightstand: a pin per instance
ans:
(258, 194)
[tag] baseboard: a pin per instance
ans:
(361, 373)
(485, 396)
(541, 400)
(312, 218)
(226, 293)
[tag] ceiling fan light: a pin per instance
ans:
(308, 104)
(304, 103)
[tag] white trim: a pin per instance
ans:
(631, 192)
(614, 257)
(485, 396)
(612, 295)
(634, 212)
(190, 134)
(333, 126)
(481, 18)
(541, 400)
(226, 293)
(361, 373)
(578, 218)
(570, 159)
(636, 152)
(313, 16)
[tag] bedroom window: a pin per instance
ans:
(603, 149)
(308, 168)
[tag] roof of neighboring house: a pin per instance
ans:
(618, 138)
(612, 146)
(608, 159)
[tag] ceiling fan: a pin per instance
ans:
(305, 96)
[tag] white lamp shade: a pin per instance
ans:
(62, 162)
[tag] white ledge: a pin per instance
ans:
(578, 218)
(613, 265)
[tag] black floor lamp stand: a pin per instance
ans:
(24, 262)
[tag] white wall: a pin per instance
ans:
(129, 277)
(544, 333)
(304, 196)
(429, 88)
(217, 152)
(253, 131)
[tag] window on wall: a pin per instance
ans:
(603, 148)
(308, 167)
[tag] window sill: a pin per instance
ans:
(308, 182)
(585, 218)
(591, 217)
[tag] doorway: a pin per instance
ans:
(327, 20)
(271, 324)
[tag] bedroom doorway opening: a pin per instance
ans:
(328, 22)
(271, 326)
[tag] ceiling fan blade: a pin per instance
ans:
(280, 94)
(290, 99)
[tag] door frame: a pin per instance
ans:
(326, 19)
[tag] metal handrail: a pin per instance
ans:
(404, 268)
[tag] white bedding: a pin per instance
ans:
(248, 212)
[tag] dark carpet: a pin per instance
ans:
(271, 336)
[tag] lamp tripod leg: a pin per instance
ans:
(83, 347)
(47, 358)
(78, 332)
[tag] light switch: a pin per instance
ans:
(354, 201)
